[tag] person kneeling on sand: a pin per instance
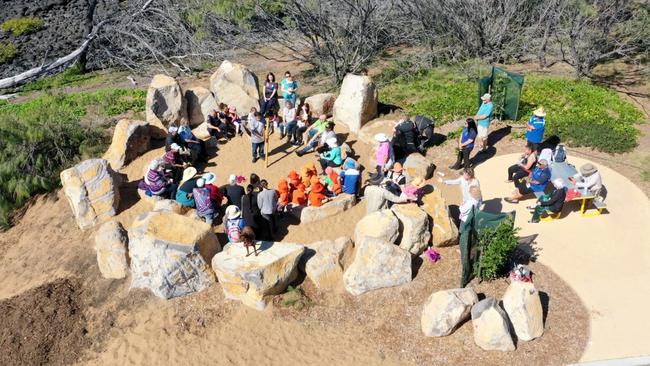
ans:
(549, 205)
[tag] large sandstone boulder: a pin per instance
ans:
(356, 103)
(417, 165)
(491, 326)
(200, 102)
(166, 205)
(165, 104)
(170, 254)
(235, 85)
(321, 104)
(524, 307)
(252, 279)
(92, 189)
(443, 231)
(325, 261)
(383, 124)
(379, 225)
(414, 227)
(340, 203)
(130, 140)
(111, 242)
(377, 264)
(445, 310)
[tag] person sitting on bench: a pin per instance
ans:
(549, 205)
(525, 164)
(535, 183)
(588, 180)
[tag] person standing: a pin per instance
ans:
(233, 191)
(270, 94)
(466, 181)
(289, 87)
(404, 137)
(483, 118)
(465, 145)
(267, 201)
(535, 127)
(256, 126)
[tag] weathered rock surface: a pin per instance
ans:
(524, 308)
(235, 85)
(384, 124)
(377, 264)
(325, 261)
(443, 231)
(166, 205)
(321, 104)
(253, 280)
(445, 310)
(414, 227)
(130, 140)
(111, 242)
(92, 189)
(340, 203)
(491, 326)
(170, 254)
(165, 104)
(379, 224)
(356, 103)
(417, 165)
(200, 102)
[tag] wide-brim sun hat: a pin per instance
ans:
(232, 212)
(588, 169)
(486, 96)
(210, 178)
(381, 137)
(331, 142)
(539, 112)
(188, 174)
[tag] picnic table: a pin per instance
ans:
(587, 197)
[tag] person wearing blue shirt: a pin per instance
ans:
(349, 177)
(465, 145)
(483, 118)
(289, 87)
(535, 127)
(535, 183)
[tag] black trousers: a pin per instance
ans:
(269, 226)
(516, 172)
(426, 138)
(463, 158)
(268, 106)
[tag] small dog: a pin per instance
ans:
(248, 239)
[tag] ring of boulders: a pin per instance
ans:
(169, 252)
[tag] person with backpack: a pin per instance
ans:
(404, 138)
(425, 128)
(233, 224)
(203, 201)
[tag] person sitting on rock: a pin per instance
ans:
(332, 157)
(235, 120)
(184, 194)
(404, 137)
(233, 224)
(332, 181)
(319, 142)
(155, 183)
(203, 202)
(216, 125)
(474, 200)
(413, 190)
(307, 171)
(196, 145)
(534, 183)
(523, 168)
(283, 195)
(174, 163)
(549, 205)
(298, 196)
(395, 179)
(317, 195)
(349, 177)
(173, 138)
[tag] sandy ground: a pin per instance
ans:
(605, 259)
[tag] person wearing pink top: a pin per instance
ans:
(383, 157)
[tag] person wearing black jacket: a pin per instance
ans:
(404, 138)
(550, 206)
(425, 128)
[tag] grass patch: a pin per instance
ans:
(21, 26)
(69, 77)
(580, 113)
(645, 169)
(7, 52)
(47, 134)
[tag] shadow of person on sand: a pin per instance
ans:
(493, 205)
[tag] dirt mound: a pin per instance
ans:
(43, 325)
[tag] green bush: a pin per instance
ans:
(579, 112)
(20, 26)
(69, 77)
(7, 52)
(495, 248)
(45, 135)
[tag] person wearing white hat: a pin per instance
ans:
(203, 202)
(173, 162)
(215, 193)
(483, 118)
(233, 191)
(332, 157)
(233, 223)
(384, 156)
(173, 138)
(535, 126)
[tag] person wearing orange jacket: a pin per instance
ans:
(332, 181)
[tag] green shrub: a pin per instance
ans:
(495, 248)
(69, 77)
(579, 112)
(7, 52)
(45, 135)
(20, 26)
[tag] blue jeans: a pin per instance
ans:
(258, 150)
(289, 127)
